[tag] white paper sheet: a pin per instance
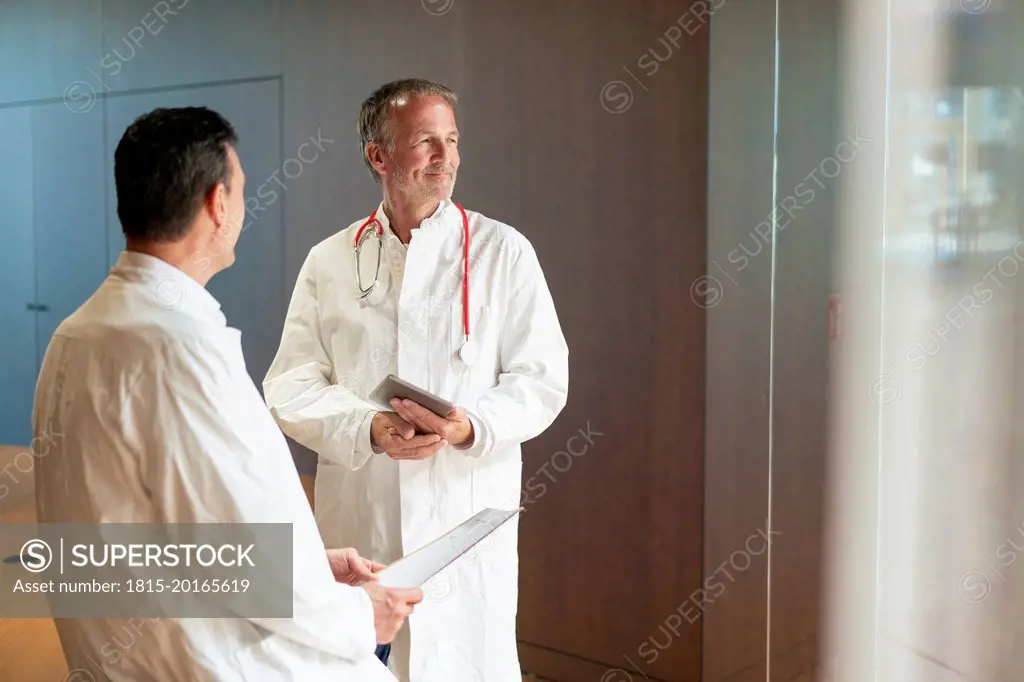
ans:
(417, 568)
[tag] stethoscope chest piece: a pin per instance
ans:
(469, 352)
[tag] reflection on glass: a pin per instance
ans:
(926, 585)
(953, 154)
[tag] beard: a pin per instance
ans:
(431, 186)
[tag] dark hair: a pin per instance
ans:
(374, 114)
(164, 166)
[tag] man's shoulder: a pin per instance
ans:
(136, 338)
(139, 346)
(497, 237)
(342, 239)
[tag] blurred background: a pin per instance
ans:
(784, 241)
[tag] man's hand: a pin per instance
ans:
(391, 606)
(398, 438)
(350, 568)
(454, 427)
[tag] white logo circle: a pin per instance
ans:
(440, 589)
(35, 563)
(885, 391)
(706, 291)
(438, 7)
(974, 587)
(975, 6)
(168, 293)
(616, 96)
(79, 97)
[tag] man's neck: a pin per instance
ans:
(406, 216)
(181, 255)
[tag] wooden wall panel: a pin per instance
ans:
(598, 153)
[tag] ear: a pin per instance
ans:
(375, 155)
(216, 205)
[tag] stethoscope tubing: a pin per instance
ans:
(379, 230)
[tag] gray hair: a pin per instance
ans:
(374, 114)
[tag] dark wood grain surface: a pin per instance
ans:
(614, 202)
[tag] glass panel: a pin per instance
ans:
(924, 526)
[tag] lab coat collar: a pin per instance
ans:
(389, 236)
(438, 217)
(168, 287)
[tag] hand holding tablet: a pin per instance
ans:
(392, 387)
(429, 415)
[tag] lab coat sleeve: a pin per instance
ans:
(326, 417)
(206, 463)
(533, 384)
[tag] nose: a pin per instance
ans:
(444, 153)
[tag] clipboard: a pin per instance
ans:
(414, 569)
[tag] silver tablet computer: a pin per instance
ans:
(393, 387)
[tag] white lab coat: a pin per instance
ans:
(159, 422)
(332, 355)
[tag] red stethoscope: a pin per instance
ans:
(468, 351)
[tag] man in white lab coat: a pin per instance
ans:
(161, 423)
(391, 481)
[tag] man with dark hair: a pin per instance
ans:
(454, 302)
(162, 424)
(164, 164)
